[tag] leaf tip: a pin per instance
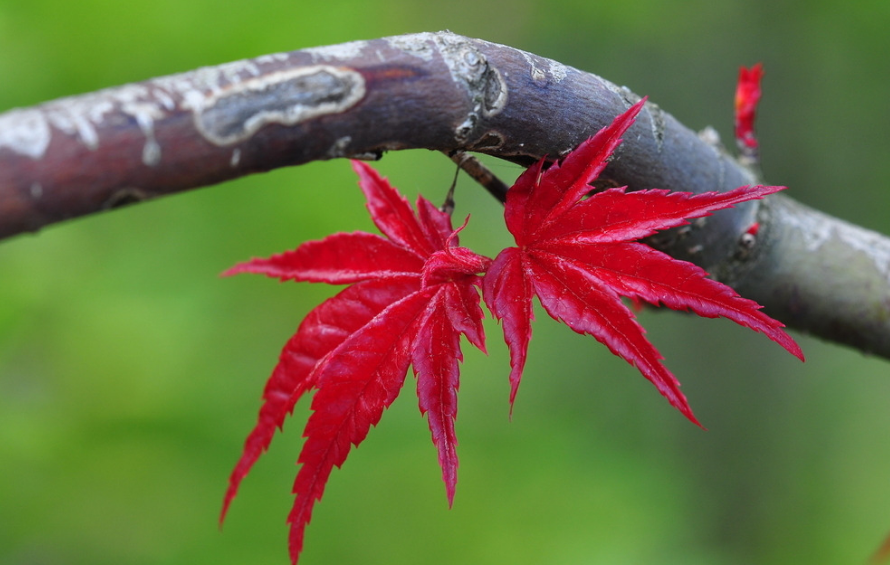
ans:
(687, 411)
(791, 346)
(225, 507)
(235, 270)
(450, 489)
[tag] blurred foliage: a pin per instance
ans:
(130, 373)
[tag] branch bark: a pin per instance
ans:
(445, 92)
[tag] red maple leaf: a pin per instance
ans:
(579, 256)
(413, 292)
(747, 96)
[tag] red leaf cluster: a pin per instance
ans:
(414, 291)
(412, 294)
(579, 256)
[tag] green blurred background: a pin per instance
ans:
(130, 373)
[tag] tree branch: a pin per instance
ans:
(439, 91)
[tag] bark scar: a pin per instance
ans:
(285, 97)
(484, 84)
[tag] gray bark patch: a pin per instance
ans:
(286, 97)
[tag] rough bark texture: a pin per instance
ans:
(822, 275)
(439, 91)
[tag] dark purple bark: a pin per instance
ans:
(440, 91)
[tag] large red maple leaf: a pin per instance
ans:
(579, 255)
(413, 292)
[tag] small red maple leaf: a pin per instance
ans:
(413, 292)
(747, 96)
(579, 256)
